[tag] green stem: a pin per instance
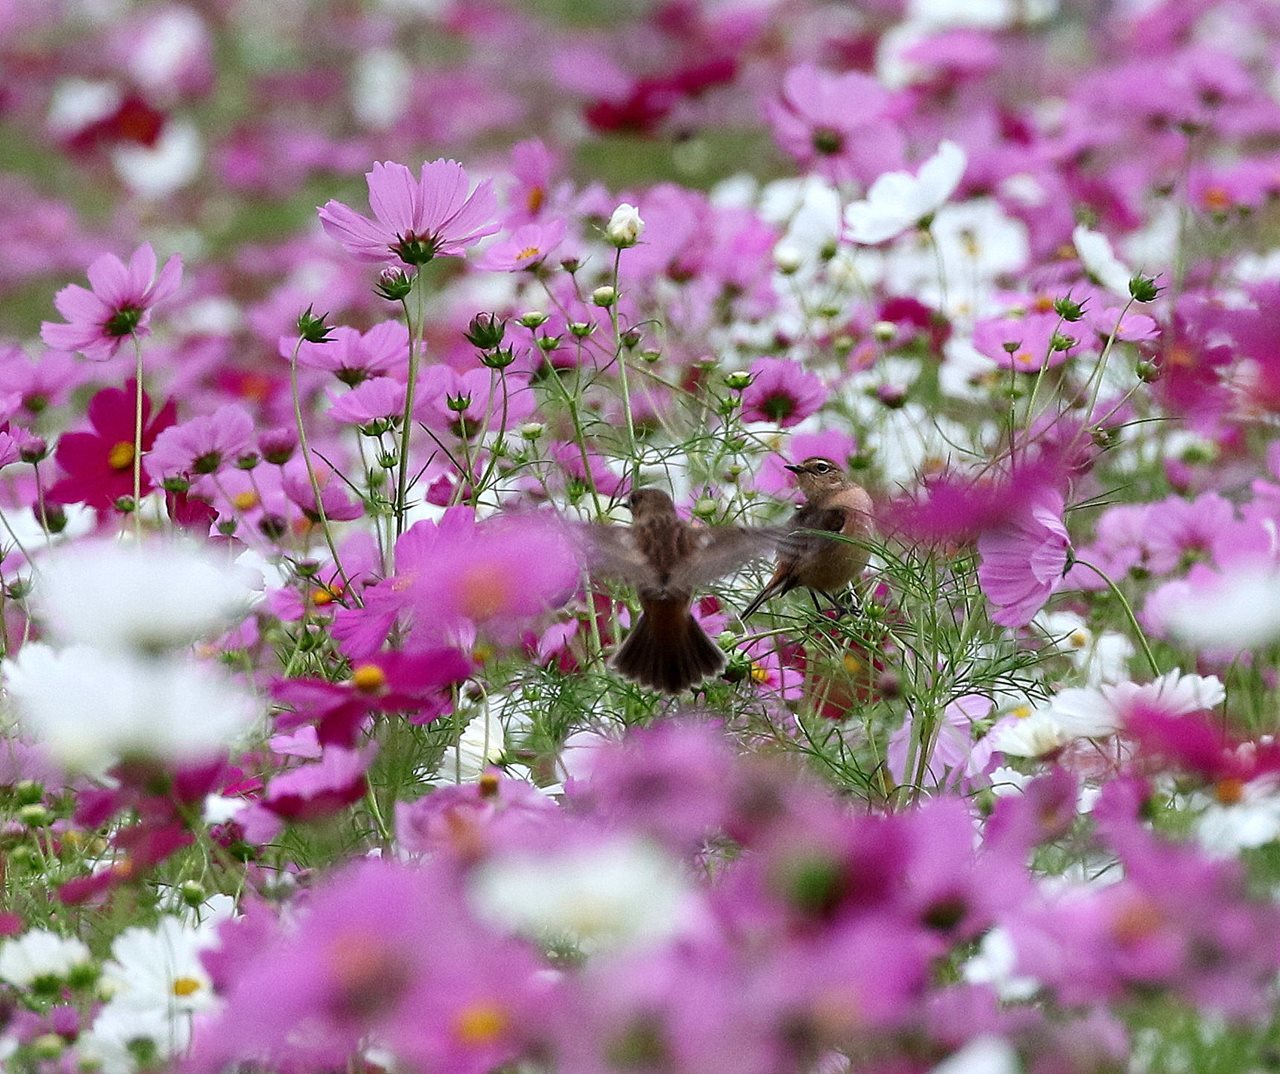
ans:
(137, 439)
(406, 425)
(1128, 611)
(311, 473)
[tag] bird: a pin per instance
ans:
(666, 560)
(822, 564)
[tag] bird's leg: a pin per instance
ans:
(841, 608)
(814, 597)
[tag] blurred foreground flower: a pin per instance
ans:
(90, 709)
(141, 599)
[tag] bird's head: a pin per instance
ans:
(817, 476)
(650, 502)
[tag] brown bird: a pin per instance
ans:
(666, 559)
(822, 564)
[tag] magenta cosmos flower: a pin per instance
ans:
(1023, 561)
(118, 306)
(414, 220)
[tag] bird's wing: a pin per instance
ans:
(814, 516)
(719, 550)
(610, 551)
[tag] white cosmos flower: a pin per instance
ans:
(88, 709)
(621, 894)
(1100, 262)
(899, 200)
(1032, 735)
(1099, 711)
(986, 1054)
(980, 14)
(1240, 609)
(1250, 820)
(995, 963)
(159, 969)
(112, 1043)
(158, 595)
(38, 954)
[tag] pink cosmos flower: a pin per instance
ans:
(781, 391)
(1022, 563)
(525, 247)
(354, 357)
(414, 221)
(380, 399)
(203, 445)
(836, 124)
(1024, 344)
(318, 790)
(118, 306)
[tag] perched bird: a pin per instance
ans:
(822, 564)
(666, 559)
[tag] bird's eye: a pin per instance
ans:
(821, 468)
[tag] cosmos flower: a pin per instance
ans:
(782, 392)
(527, 246)
(414, 221)
(99, 321)
(899, 200)
(98, 464)
(1022, 562)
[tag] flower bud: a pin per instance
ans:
(533, 319)
(787, 259)
(1143, 288)
(581, 329)
(486, 331)
(884, 331)
(604, 297)
(1148, 372)
(531, 430)
(394, 284)
(312, 327)
(739, 380)
(1068, 309)
(498, 358)
(625, 226)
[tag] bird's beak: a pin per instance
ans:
(792, 468)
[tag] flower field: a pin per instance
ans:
(677, 537)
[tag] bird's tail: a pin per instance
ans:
(667, 650)
(780, 583)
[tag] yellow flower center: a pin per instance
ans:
(1021, 712)
(244, 501)
(481, 1023)
(528, 251)
(185, 986)
(483, 591)
(120, 457)
(851, 664)
(1078, 639)
(368, 678)
(325, 594)
(759, 673)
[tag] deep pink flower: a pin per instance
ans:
(409, 682)
(414, 221)
(119, 305)
(311, 791)
(99, 464)
(781, 391)
(1022, 563)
